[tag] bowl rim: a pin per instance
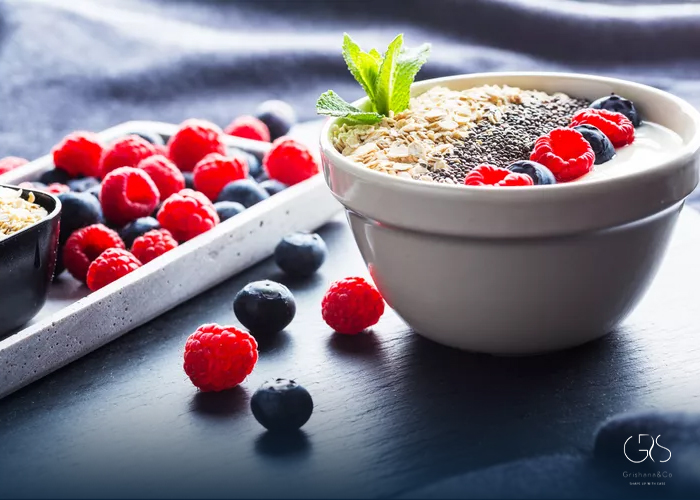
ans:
(50, 216)
(684, 154)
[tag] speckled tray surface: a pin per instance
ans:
(74, 322)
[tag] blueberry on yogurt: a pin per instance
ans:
(618, 104)
(601, 145)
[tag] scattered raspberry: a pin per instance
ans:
(79, 153)
(10, 163)
(57, 188)
(219, 357)
(351, 305)
(616, 126)
(111, 265)
(565, 152)
(289, 162)
(187, 214)
(248, 127)
(166, 176)
(215, 170)
(488, 175)
(126, 194)
(153, 244)
(85, 245)
(195, 140)
(125, 152)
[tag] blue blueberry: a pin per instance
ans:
(78, 210)
(55, 175)
(189, 179)
(278, 116)
(301, 254)
(227, 209)
(151, 137)
(83, 184)
(619, 104)
(281, 405)
(264, 306)
(137, 228)
(244, 191)
(540, 174)
(254, 163)
(602, 147)
(272, 186)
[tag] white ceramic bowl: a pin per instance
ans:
(520, 270)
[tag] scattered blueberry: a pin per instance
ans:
(55, 175)
(264, 306)
(540, 174)
(83, 184)
(79, 210)
(151, 137)
(189, 179)
(272, 186)
(602, 147)
(244, 191)
(227, 209)
(619, 104)
(278, 116)
(137, 228)
(300, 254)
(281, 405)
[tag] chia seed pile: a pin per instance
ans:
(509, 140)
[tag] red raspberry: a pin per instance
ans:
(214, 171)
(125, 152)
(187, 214)
(248, 127)
(351, 305)
(488, 175)
(616, 126)
(219, 357)
(165, 175)
(289, 162)
(10, 163)
(85, 245)
(79, 153)
(111, 265)
(126, 194)
(153, 244)
(57, 188)
(195, 140)
(565, 152)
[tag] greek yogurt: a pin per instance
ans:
(652, 145)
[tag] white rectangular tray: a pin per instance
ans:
(75, 322)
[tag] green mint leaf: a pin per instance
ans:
(363, 66)
(331, 104)
(387, 74)
(409, 64)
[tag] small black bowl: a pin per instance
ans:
(27, 262)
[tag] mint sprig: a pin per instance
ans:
(386, 79)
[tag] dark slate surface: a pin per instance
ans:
(393, 412)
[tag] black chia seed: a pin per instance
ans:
(509, 140)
